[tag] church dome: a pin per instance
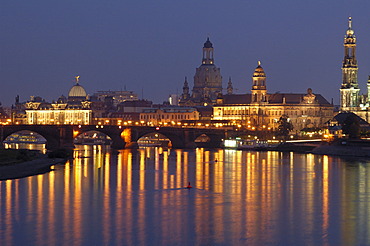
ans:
(77, 91)
(259, 72)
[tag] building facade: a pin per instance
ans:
(350, 98)
(207, 81)
(168, 115)
(74, 110)
(260, 110)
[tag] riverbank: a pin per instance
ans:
(342, 151)
(16, 164)
(28, 168)
(341, 147)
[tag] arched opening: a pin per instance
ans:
(92, 138)
(25, 140)
(202, 141)
(154, 139)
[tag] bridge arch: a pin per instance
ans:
(92, 137)
(154, 139)
(208, 140)
(176, 141)
(51, 135)
(113, 132)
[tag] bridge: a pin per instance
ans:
(62, 136)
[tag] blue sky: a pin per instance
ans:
(150, 46)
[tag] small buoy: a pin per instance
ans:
(216, 160)
(189, 186)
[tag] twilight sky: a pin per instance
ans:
(150, 46)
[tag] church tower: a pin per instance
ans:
(230, 88)
(259, 91)
(185, 91)
(349, 91)
(207, 79)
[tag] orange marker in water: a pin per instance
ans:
(189, 186)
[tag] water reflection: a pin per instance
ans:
(138, 197)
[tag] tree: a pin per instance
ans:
(351, 126)
(284, 127)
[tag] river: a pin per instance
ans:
(139, 197)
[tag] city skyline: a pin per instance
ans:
(151, 47)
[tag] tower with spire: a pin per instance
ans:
(259, 91)
(349, 91)
(207, 79)
(185, 91)
(230, 88)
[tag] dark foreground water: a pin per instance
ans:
(238, 198)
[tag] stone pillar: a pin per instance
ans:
(1, 137)
(66, 137)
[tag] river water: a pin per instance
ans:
(139, 197)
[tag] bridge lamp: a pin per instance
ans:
(136, 123)
(120, 127)
(79, 126)
(97, 126)
(253, 128)
(129, 121)
(157, 128)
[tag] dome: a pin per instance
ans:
(259, 72)
(77, 91)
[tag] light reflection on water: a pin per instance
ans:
(138, 197)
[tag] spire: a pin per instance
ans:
(230, 87)
(350, 32)
(185, 90)
(350, 22)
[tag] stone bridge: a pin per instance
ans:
(62, 136)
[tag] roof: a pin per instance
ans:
(77, 91)
(341, 117)
(276, 98)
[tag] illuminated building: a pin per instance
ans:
(168, 115)
(207, 81)
(75, 109)
(350, 99)
(261, 110)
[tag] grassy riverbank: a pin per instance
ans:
(14, 156)
(23, 163)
